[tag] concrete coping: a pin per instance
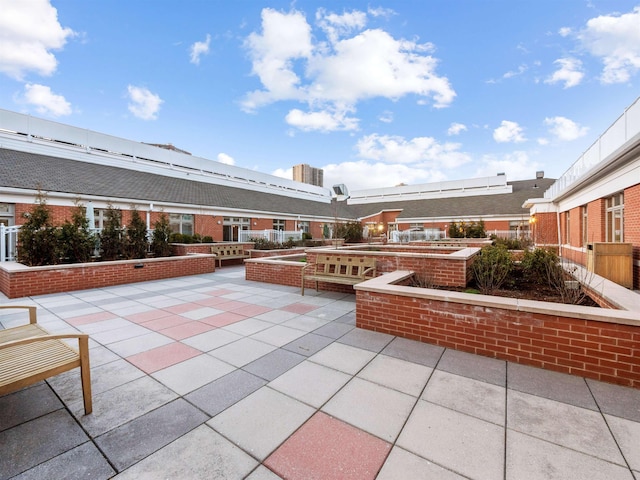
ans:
(387, 284)
(459, 253)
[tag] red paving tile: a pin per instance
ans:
(186, 330)
(220, 292)
(222, 319)
(230, 305)
(183, 307)
(328, 448)
(212, 301)
(166, 322)
(252, 310)
(147, 316)
(300, 308)
(163, 357)
(92, 318)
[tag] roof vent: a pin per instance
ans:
(501, 173)
(540, 174)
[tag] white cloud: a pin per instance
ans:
(516, 166)
(28, 33)
(570, 72)
(456, 128)
(423, 152)
(543, 141)
(333, 75)
(508, 132)
(198, 49)
(565, 129)
(514, 73)
(226, 159)
(45, 101)
(144, 104)
(565, 31)
(386, 116)
(323, 121)
(616, 40)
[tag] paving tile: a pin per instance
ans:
(201, 312)
(105, 325)
(143, 343)
(91, 318)
(23, 446)
(413, 351)
(200, 454)
(627, 435)
(299, 308)
(465, 445)
(402, 465)
(485, 401)
(118, 334)
(163, 357)
(348, 318)
(252, 310)
(327, 448)
(305, 323)
(182, 307)
(262, 421)
(310, 383)
(263, 473)
(99, 355)
(248, 326)
(242, 352)
(278, 335)
(572, 427)
(276, 316)
(373, 408)
(615, 400)
(220, 394)
(481, 368)
(333, 329)
(83, 461)
(274, 364)
(529, 458)
(328, 313)
(186, 330)
(211, 301)
(122, 404)
(549, 384)
(193, 373)
(308, 344)
(406, 377)
(366, 339)
(223, 319)
(142, 436)
(231, 305)
(211, 340)
(343, 357)
(148, 316)
(27, 404)
(169, 320)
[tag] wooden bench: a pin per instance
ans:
(228, 252)
(29, 353)
(340, 269)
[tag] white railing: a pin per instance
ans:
(406, 236)
(8, 242)
(277, 236)
(510, 234)
(622, 130)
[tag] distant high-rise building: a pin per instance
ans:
(306, 174)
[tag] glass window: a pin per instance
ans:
(181, 223)
(304, 226)
(615, 218)
(279, 224)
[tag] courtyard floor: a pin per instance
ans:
(216, 377)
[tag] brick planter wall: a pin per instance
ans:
(17, 280)
(276, 253)
(178, 249)
(596, 343)
(274, 271)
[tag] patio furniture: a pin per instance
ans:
(29, 353)
(339, 269)
(229, 252)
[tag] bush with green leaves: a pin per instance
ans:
(350, 231)
(160, 239)
(512, 243)
(136, 244)
(491, 268)
(111, 238)
(467, 230)
(540, 264)
(75, 240)
(37, 238)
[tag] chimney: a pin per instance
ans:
(540, 174)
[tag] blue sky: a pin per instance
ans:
(376, 94)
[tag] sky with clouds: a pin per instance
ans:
(376, 94)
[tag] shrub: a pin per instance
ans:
(350, 231)
(37, 239)
(136, 244)
(539, 264)
(160, 239)
(111, 241)
(491, 268)
(467, 230)
(207, 239)
(512, 243)
(76, 242)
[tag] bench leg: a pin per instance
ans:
(85, 375)
(302, 285)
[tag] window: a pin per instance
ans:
(304, 226)
(615, 218)
(567, 226)
(181, 223)
(279, 225)
(585, 231)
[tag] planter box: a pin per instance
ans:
(17, 280)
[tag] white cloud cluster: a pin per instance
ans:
(333, 75)
(570, 72)
(565, 129)
(456, 128)
(615, 39)
(29, 31)
(45, 101)
(198, 49)
(226, 159)
(516, 166)
(143, 104)
(509, 132)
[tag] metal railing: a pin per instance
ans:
(8, 242)
(406, 236)
(622, 130)
(276, 236)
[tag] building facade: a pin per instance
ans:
(306, 174)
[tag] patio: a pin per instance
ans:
(215, 377)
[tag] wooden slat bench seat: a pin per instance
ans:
(229, 252)
(29, 353)
(339, 269)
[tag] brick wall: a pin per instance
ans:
(555, 340)
(632, 227)
(21, 281)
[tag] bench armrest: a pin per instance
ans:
(23, 341)
(370, 269)
(309, 265)
(31, 308)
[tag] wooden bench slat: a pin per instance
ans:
(339, 269)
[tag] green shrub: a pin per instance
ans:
(160, 238)
(511, 243)
(491, 268)
(37, 238)
(111, 241)
(136, 244)
(76, 242)
(350, 231)
(207, 239)
(539, 264)
(467, 230)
